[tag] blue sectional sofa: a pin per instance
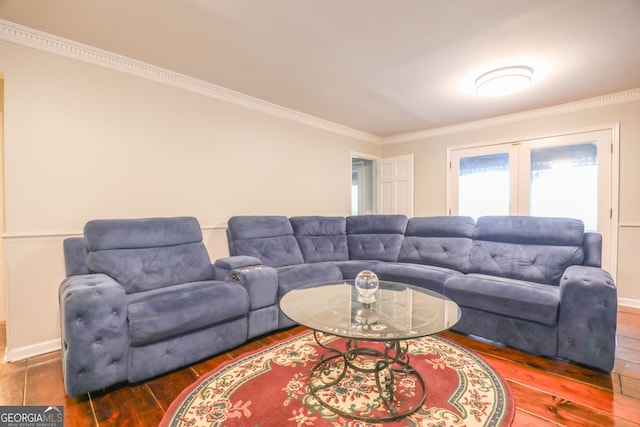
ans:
(532, 283)
(142, 298)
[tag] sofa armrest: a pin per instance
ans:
(95, 338)
(587, 317)
(260, 282)
(224, 267)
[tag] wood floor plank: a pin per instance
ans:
(628, 354)
(12, 378)
(568, 389)
(127, 405)
(46, 387)
(45, 381)
(206, 366)
(628, 324)
(525, 419)
(630, 386)
(628, 309)
(559, 367)
(250, 347)
(624, 367)
(167, 387)
(629, 343)
(78, 412)
(12, 375)
(562, 411)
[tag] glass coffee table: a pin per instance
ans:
(376, 334)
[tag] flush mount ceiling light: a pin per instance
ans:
(504, 81)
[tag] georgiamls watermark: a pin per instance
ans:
(31, 416)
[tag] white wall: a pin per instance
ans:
(84, 142)
(2, 287)
(430, 169)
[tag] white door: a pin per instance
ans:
(565, 176)
(395, 185)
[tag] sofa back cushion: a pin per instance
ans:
(442, 241)
(527, 248)
(375, 237)
(269, 238)
(150, 253)
(321, 238)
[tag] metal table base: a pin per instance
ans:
(386, 366)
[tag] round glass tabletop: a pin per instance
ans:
(399, 312)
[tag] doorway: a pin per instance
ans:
(363, 178)
(563, 176)
(382, 186)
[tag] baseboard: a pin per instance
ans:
(21, 353)
(629, 302)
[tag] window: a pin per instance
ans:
(563, 176)
(484, 185)
(564, 182)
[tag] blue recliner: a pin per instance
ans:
(141, 299)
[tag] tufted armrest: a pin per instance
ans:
(95, 340)
(587, 317)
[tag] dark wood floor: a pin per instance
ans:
(547, 392)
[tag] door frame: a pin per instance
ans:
(614, 128)
(364, 156)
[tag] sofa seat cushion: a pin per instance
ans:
(163, 313)
(292, 277)
(519, 299)
(424, 276)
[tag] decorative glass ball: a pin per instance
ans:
(367, 284)
(366, 316)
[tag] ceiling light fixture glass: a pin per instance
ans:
(504, 81)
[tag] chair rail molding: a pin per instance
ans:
(35, 39)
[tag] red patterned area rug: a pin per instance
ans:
(270, 388)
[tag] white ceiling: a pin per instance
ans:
(384, 67)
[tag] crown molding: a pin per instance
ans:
(599, 101)
(32, 38)
(39, 40)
